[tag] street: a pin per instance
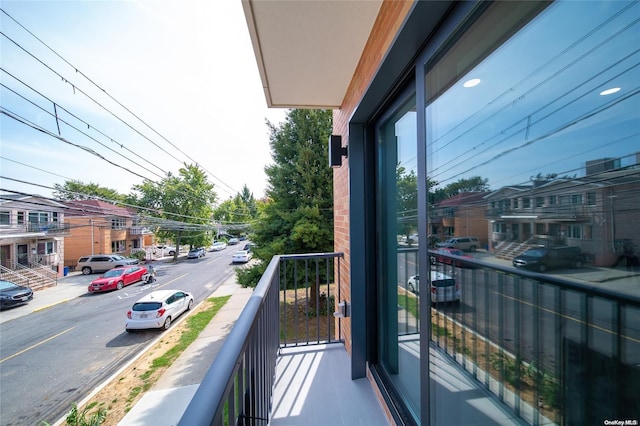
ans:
(51, 358)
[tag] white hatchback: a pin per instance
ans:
(444, 288)
(241, 256)
(158, 309)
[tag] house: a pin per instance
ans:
(32, 233)
(460, 215)
(451, 90)
(98, 227)
(594, 212)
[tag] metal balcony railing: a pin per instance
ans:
(292, 305)
(552, 348)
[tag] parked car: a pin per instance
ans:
(158, 309)
(233, 241)
(196, 253)
(461, 243)
(249, 247)
(117, 278)
(12, 294)
(438, 258)
(103, 262)
(443, 287)
(218, 246)
(241, 256)
(542, 259)
(166, 250)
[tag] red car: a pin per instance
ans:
(116, 278)
(452, 251)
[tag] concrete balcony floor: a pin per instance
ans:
(314, 387)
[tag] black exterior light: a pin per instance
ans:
(336, 151)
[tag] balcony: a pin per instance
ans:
(32, 229)
(519, 348)
(559, 213)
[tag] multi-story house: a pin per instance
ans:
(32, 233)
(98, 227)
(594, 212)
(460, 215)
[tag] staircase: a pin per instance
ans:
(509, 250)
(34, 276)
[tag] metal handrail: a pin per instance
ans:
(242, 376)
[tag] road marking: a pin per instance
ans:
(150, 286)
(579, 321)
(37, 344)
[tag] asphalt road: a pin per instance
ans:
(52, 358)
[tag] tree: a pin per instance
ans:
(407, 200)
(74, 190)
(181, 206)
(298, 214)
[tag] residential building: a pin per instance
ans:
(98, 227)
(595, 212)
(452, 90)
(458, 216)
(32, 232)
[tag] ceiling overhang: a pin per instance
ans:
(307, 50)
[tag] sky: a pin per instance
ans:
(138, 88)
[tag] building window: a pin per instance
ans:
(574, 231)
(47, 247)
(118, 246)
(118, 223)
(5, 217)
(553, 200)
(591, 198)
(38, 217)
(20, 218)
(515, 203)
(136, 244)
(526, 203)
(576, 199)
(539, 201)
(540, 229)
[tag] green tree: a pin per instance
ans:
(73, 190)
(180, 206)
(407, 201)
(298, 214)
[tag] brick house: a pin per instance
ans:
(98, 227)
(460, 215)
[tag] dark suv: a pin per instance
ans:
(542, 259)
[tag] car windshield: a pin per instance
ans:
(535, 252)
(7, 285)
(114, 273)
(147, 306)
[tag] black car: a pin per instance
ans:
(543, 259)
(12, 294)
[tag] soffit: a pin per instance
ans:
(308, 50)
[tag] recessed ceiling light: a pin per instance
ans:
(610, 91)
(471, 83)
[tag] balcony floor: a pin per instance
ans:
(314, 387)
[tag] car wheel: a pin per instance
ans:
(190, 305)
(86, 270)
(172, 253)
(120, 285)
(167, 323)
(579, 264)
(542, 268)
(128, 330)
(472, 248)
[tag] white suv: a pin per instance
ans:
(103, 262)
(461, 243)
